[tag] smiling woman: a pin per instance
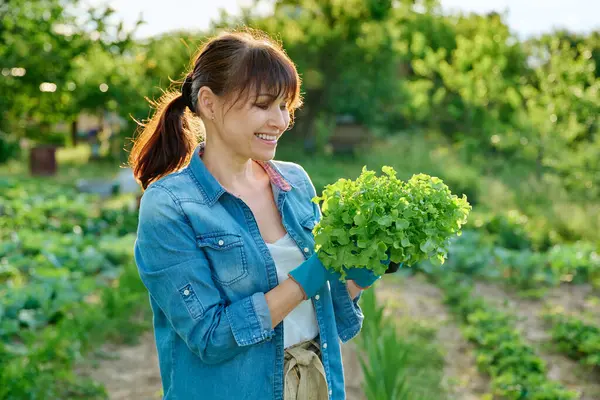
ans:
(225, 244)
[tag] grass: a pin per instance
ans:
(72, 163)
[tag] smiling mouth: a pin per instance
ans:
(264, 136)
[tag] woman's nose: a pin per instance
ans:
(280, 119)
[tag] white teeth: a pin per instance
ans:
(266, 137)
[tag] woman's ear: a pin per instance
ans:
(207, 100)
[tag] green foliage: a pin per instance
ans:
(383, 378)
(576, 338)
(41, 43)
(516, 372)
(470, 82)
(479, 255)
(143, 72)
(9, 148)
(345, 53)
(67, 283)
(515, 244)
(577, 262)
(508, 229)
(561, 104)
(367, 219)
(391, 367)
(392, 65)
(468, 76)
(569, 263)
(473, 254)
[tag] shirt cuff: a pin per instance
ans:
(250, 320)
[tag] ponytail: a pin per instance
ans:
(166, 142)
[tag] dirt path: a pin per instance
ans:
(580, 300)
(532, 326)
(416, 298)
(353, 374)
(131, 372)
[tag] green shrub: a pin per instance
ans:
(9, 148)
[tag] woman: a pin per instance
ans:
(221, 229)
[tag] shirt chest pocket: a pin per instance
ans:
(225, 253)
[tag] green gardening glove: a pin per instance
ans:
(364, 277)
(311, 275)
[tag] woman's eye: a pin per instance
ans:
(266, 106)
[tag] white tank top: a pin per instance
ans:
(300, 324)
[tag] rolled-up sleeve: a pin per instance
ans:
(178, 277)
(348, 314)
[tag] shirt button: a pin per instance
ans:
(186, 292)
(306, 250)
(324, 345)
(221, 243)
(317, 297)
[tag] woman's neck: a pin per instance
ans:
(236, 174)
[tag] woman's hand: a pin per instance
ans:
(363, 277)
(311, 275)
(353, 289)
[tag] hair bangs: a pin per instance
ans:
(268, 72)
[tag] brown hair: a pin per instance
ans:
(232, 63)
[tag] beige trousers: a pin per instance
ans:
(304, 373)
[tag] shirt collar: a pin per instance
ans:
(212, 189)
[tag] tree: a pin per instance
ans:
(40, 41)
(344, 52)
(561, 106)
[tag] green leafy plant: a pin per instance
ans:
(369, 219)
(392, 369)
(516, 371)
(576, 338)
(67, 283)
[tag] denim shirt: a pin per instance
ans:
(202, 258)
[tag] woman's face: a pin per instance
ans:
(252, 126)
